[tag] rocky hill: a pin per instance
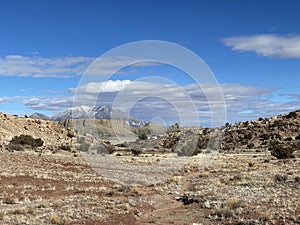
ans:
(254, 134)
(260, 133)
(53, 135)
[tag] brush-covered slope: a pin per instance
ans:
(50, 132)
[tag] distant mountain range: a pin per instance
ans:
(97, 112)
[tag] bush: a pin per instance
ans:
(143, 136)
(65, 147)
(26, 140)
(38, 142)
(136, 152)
(122, 145)
(280, 151)
(70, 134)
(250, 145)
(291, 115)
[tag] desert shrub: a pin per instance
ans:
(136, 151)
(38, 142)
(143, 136)
(291, 115)
(171, 142)
(248, 136)
(65, 147)
(26, 140)
(16, 147)
(122, 145)
(70, 134)
(280, 178)
(203, 142)
(280, 151)
(250, 145)
(56, 219)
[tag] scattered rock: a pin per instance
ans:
(186, 200)
(280, 178)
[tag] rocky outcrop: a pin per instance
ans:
(150, 128)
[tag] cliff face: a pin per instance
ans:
(50, 132)
(99, 128)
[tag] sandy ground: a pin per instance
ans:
(231, 189)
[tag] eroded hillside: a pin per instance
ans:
(53, 135)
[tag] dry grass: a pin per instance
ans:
(19, 211)
(135, 190)
(56, 219)
(263, 215)
(2, 214)
(56, 204)
(224, 212)
(235, 202)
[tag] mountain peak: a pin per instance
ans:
(97, 112)
(39, 116)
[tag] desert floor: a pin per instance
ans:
(62, 188)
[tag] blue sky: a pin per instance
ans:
(252, 47)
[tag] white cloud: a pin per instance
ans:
(35, 66)
(269, 45)
(48, 103)
(62, 67)
(97, 87)
(2, 100)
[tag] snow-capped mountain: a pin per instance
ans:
(97, 112)
(39, 116)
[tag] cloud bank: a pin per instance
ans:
(268, 45)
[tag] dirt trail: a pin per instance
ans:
(164, 211)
